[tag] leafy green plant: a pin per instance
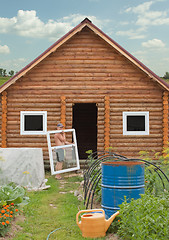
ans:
(155, 181)
(13, 193)
(145, 218)
(150, 180)
(160, 158)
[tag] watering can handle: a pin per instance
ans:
(87, 211)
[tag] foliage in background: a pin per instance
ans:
(166, 75)
(145, 218)
(155, 182)
(3, 72)
(160, 158)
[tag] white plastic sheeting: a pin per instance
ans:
(23, 166)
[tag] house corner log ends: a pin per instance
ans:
(4, 119)
(165, 119)
(63, 110)
(107, 123)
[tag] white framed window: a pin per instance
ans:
(135, 123)
(68, 153)
(33, 122)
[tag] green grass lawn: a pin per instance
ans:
(3, 80)
(51, 209)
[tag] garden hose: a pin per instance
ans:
(55, 231)
(52, 232)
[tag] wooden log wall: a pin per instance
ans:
(87, 70)
(0, 120)
(138, 101)
(4, 120)
(165, 119)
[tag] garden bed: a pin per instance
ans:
(52, 213)
(52, 209)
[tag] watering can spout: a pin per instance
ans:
(110, 220)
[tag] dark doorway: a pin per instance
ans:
(85, 124)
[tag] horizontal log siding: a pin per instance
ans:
(0, 119)
(85, 70)
(131, 145)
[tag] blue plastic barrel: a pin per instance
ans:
(120, 179)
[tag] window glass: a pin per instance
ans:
(33, 123)
(135, 123)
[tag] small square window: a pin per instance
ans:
(135, 123)
(33, 123)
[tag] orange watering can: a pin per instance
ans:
(93, 224)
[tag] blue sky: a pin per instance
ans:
(27, 28)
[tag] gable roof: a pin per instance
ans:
(62, 40)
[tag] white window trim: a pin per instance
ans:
(50, 148)
(125, 114)
(22, 127)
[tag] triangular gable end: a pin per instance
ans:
(71, 33)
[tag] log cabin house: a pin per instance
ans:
(88, 82)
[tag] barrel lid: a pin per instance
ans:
(123, 163)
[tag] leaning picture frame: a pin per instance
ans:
(70, 152)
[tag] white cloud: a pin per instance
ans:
(140, 9)
(28, 24)
(4, 49)
(146, 17)
(132, 34)
(154, 43)
(6, 24)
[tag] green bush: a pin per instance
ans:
(145, 218)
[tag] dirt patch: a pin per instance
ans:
(111, 236)
(14, 228)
